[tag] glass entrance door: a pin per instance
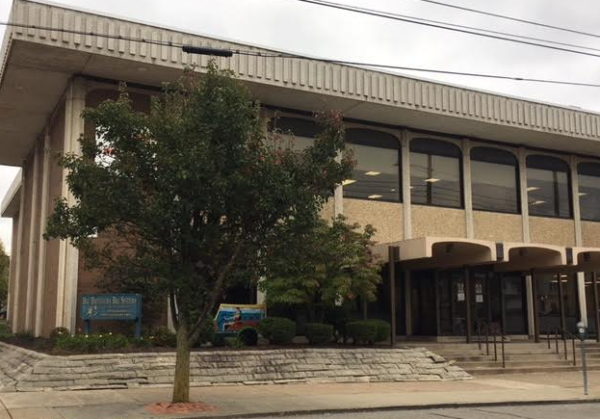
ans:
(555, 313)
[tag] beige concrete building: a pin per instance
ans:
(488, 206)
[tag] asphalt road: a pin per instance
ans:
(546, 411)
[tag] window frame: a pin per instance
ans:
(519, 210)
(387, 141)
(550, 159)
(579, 173)
(459, 157)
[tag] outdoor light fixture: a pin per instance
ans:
(432, 180)
(375, 196)
(347, 182)
(532, 188)
(372, 173)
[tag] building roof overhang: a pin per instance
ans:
(9, 207)
(38, 64)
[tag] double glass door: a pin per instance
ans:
(557, 302)
(448, 302)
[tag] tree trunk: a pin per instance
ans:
(181, 384)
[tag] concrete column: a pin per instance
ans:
(40, 300)
(18, 256)
(68, 263)
(523, 189)
(407, 303)
(406, 204)
(467, 190)
(530, 305)
(32, 244)
(578, 237)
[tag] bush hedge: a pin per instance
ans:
(318, 333)
(278, 330)
(383, 330)
(163, 337)
(249, 336)
(91, 343)
(362, 332)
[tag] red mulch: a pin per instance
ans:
(172, 408)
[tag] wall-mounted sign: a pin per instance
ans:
(112, 307)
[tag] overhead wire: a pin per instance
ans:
(255, 53)
(445, 26)
(515, 19)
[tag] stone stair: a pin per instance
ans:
(520, 356)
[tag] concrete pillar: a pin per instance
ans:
(18, 256)
(406, 204)
(32, 267)
(530, 305)
(41, 262)
(522, 155)
(68, 263)
(578, 237)
(407, 303)
(467, 190)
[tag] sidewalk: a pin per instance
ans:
(280, 399)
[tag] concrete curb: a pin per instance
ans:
(291, 413)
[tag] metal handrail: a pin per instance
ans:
(564, 335)
(493, 332)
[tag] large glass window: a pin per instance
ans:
(494, 179)
(435, 173)
(589, 190)
(303, 131)
(376, 175)
(548, 191)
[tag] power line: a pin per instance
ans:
(388, 15)
(515, 19)
(220, 52)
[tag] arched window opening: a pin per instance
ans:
(548, 189)
(589, 190)
(494, 180)
(376, 175)
(435, 173)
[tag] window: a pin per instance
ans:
(376, 175)
(494, 180)
(435, 173)
(303, 130)
(548, 191)
(589, 190)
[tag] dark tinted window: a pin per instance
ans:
(589, 190)
(494, 179)
(435, 173)
(302, 130)
(548, 191)
(376, 174)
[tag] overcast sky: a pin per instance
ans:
(304, 28)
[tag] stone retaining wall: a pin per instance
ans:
(270, 366)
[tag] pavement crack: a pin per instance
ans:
(514, 415)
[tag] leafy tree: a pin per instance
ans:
(322, 266)
(189, 197)
(4, 272)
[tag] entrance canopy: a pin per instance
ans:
(449, 252)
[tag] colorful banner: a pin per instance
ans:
(234, 317)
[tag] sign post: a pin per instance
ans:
(112, 307)
(582, 332)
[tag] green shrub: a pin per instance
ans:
(249, 336)
(363, 331)
(219, 339)
(383, 330)
(5, 331)
(338, 316)
(163, 337)
(234, 342)
(91, 343)
(59, 332)
(25, 335)
(141, 342)
(278, 330)
(318, 333)
(207, 332)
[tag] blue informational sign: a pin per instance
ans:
(112, 307)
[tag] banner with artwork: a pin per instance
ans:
(234, 317)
